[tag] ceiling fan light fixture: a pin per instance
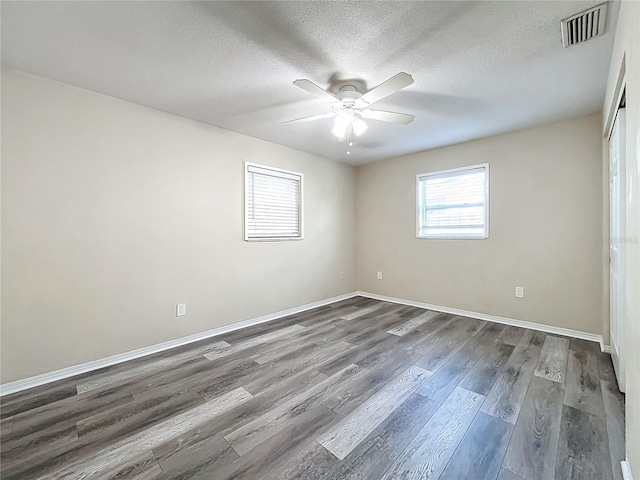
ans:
(340, 131)
(343, 119)
(342, 124)
(359, 126)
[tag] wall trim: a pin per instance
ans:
(494, 318)
(38, 380)
(626, 470)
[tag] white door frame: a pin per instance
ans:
(617, 244)
(611, 110)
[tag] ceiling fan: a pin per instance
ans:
(350, 107)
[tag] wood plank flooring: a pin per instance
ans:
(359, 389)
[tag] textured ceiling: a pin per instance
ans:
(480, 68)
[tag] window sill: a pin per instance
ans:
(443, 237)
(292, 239)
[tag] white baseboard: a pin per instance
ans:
(493, 318)
(626, 470)
(36, 381)
(54, 376)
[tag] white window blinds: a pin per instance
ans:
(273, 203)
(454, 203)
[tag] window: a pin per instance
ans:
(454, 203)
(273, 203)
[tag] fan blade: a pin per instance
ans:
(310, 119)
(391, 117)
(315, 90)
(395, 83)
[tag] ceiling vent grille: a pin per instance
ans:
(584, 26)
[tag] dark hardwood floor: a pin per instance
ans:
(359, 389)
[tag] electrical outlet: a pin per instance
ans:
(181, 309)
(519, 292)
(341, 275)
(379, 275)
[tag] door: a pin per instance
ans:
(617, 245)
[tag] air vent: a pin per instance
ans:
(584, 26)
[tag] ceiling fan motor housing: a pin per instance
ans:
(347, 96)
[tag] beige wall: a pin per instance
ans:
(112, 213)
(627, 50)
(545, 229)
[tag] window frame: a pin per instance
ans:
(247, 238)
(487, 177)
